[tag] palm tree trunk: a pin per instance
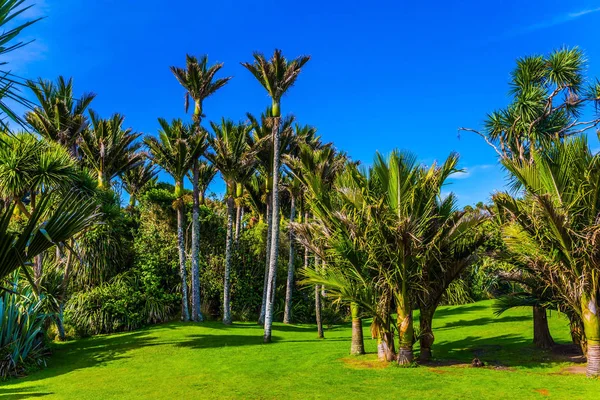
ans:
(541, 332)
(185, 313)
(405, 328)
(271, 285)
(263, 306)
(591, 326)
(228, 251)
(358, 343)
(318, 302)
(426, 337)
(196, 306)
(385, 347)
(238, 221)
(287, 314)
(62, 297)
(38, 269)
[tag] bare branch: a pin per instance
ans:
(484, 138)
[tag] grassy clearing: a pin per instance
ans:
(210, 360)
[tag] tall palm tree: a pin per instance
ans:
(59, 117)
(294, 188)
(276, 75)
(109, 149)
(137, 178)
(198, 80)
(232, 155)
(206, 173)
(322, 164)
(408, 195)
(176, 150)
(562, 227)
(262, 139)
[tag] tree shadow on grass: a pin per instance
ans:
(502, 351)
(22, 393)
(483, 321)
(459, 310)
(88, 353)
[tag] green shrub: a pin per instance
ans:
(22, 345)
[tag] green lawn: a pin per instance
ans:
(209, 360)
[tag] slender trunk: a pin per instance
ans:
(185, 313)
(238, 221)
(426, 337)
(271, 286)
(62, 297)
(263, 306)
(132, 200)
(541, 332)
(318, 302)
(228, 250)
(287, 315)
(38, 269)
(405, 328)
(591, 326)
(358, 343)
(196, 306)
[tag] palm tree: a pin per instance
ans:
(276, 75)
(59, 117)
(561, 228)
(137, 178)
(408, 195)
(232, 155)
(176, 150)
(452, 243)
(198, 79)
(294, 188)
(109, 149)
(206, 173)
(262, 140)
(322, 165)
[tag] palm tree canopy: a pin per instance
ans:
(59, 117)
(276, 75)
(198, 79)
(138, 177)
(30, 164)
(110, 149)
(177, 147)
(230, 151)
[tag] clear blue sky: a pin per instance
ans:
(383, 75)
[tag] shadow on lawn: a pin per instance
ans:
(508, 350)
(24, 393)
(484, 321)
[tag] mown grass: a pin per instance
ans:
(209, 360)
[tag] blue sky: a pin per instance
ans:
(383, 75)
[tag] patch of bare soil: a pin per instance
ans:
(572, 370)
(568, 353)
(543, 392)
(360, 363)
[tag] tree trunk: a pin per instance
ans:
(287, 315)
(263, 306)
(358, 343)
(238, 221)
(318, 302)
(38, 269)
(62, 297)
(196, 306)
(426, 338)
(591, 326)
(541, 331)
(185, 313)
(385, 347)
(577, 334)
(228, 251)
(405, 328)
(271, 286)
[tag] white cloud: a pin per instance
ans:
(470, 171)
(549, 23)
